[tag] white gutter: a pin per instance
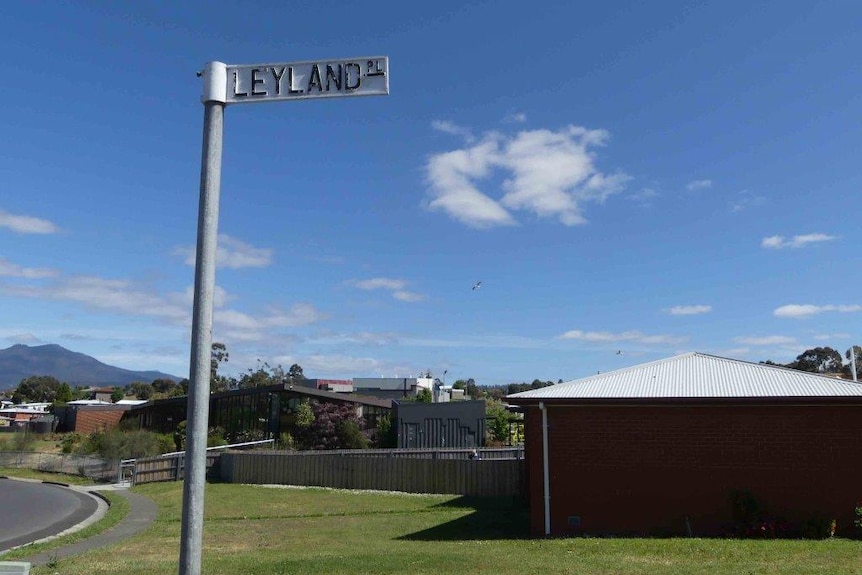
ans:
(545, 473)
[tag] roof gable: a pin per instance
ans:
(696, 376)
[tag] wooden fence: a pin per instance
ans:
(407, 471)
(164, 468)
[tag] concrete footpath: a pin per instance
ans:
(142, 513)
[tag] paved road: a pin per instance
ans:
(32, 511)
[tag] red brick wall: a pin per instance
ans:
(87, 421)
(658, 470)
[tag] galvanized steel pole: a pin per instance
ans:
(191, 539)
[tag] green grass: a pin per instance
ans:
(261, 531)
(45, 476)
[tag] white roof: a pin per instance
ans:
(697, 375)
(131, 402)
(88, 402)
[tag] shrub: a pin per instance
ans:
(818, 528)
(334, 427)
(215, 437)
(286, 441)
(22, 441)
(350, 435)
(116, 444)
(498, 422)
(386, 435)
(70, 441)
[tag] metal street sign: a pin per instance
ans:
(301, 80)
(230, 84)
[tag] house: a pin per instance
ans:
(33, 417)
(89, 415)
(334, 385)
(24, 412)
(392, 387)
(101, 393)
(439, 425)
(267, 410)
(662, 448)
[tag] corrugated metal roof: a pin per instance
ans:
(697, 375)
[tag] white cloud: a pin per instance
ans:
(361, 338)
(25, 338)
(766, 340)
(109, 295)
(689, 309)
(380, 283)
(779, 242)
(698, 185)
(338, 365)
(255, 327)
(26, 224)
(608, 337)
(9, 269)
(231, 253)
(125, 298)
(481, 341)
(395, 286)
(448, 127)
(831, 336)
(515, 118)
(746, 200)
(549, 174)
(408, 296)
(645, 196)
(808, 310)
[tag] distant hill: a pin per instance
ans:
(21, 361)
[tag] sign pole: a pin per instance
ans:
(191, 539)
(238, 84)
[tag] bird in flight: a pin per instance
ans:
(619, 352)
(477, 285)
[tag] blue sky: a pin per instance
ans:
(641, 178)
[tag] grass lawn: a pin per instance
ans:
(263, 531)
(44, 476)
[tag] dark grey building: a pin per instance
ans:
(440, 425)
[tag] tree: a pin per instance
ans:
(424, 396)
(117, 395)
(142, 390)
(64, 394)
(304, 416)
(36, 389)
(218, 355)
(818, 360)
(295, 372)
(165, 386)
(497, 419)
(386, 435)
(262, 376)
(335, 426)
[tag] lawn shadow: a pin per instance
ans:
(492, 518)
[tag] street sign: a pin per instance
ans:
(303, 80)
(231, 84)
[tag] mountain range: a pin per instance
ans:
(22, 361)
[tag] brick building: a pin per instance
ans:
(89, 416)
(658, 449)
